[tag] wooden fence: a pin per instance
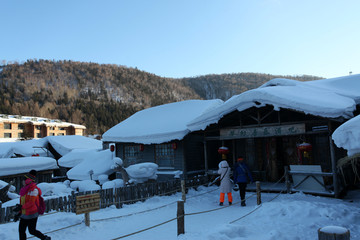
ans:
(117, 196)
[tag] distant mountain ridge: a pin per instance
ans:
(101, 95)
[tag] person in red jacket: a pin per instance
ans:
(29, 201)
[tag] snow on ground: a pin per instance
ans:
(286, 217)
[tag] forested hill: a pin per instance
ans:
(101, 95)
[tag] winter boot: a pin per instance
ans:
(47, 238)
(221, 204)
(243, 203)
(230, 203)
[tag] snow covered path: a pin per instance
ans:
(294, 216)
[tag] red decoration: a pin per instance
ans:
(174, 145)
(141, 147)
(223, 150)
(112, 148)
(35, 155)
(305, 147)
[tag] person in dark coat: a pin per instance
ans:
(242, 176)
(29, 202)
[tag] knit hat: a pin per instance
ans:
(31, 175)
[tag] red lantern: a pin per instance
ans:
(174, 145)
(306, 147)
(223, 150)
(112, 148)
(141, 147)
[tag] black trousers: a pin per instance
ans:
(31, 225)
(242, 189)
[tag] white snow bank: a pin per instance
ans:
(160, 124)
(141, 172)
(57, 189)
(334, 229)
(10, 166)
(347, 136)
(85, 185)
(65, 144)
(96, 162)
(75, 157)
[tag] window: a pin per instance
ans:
(132, 153)
(52, 134)
(7, 135)
(165, 155)
(62, 129)
(52, 128)
(38, 127)
(38, 135)
(21, 126)
(61, 134)
(7, 125)
(20, 135)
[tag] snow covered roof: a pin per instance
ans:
(330, 98)
(25, 148)
(65, 144)
(11, 166)
(347, 136)
(38, 121)
(161, 123)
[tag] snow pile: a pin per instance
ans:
(65, 144)
(11, 166)
(160, 124)
(83, 186)
(347, 136)
(93, 165)
(141, 172)
(75, 157)
(55, 189)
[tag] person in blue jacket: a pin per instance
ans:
(242, 176)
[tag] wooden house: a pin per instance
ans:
(281, 124)
(160, 135)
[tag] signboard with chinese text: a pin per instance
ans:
(87, 203)
(270, 131)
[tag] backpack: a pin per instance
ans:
(42, 206)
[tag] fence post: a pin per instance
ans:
(287, 179)
(183, 190)
(87, 219)
(333, 233)
(180, 218)
(258, 193)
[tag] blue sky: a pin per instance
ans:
(189, 37)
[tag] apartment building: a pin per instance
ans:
(14, 127)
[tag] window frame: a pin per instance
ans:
(165, 156)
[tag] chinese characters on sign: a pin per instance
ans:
(87, 203)
(270, 131)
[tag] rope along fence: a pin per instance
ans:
(176, 218)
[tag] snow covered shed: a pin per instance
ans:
(282, 123)
(160, 135)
